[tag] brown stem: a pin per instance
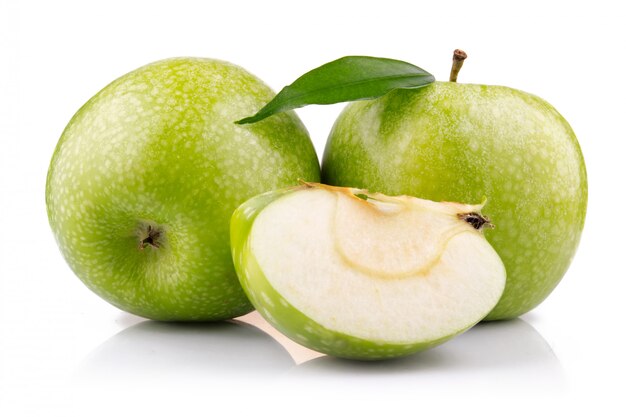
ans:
(457, 62)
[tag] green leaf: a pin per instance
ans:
(346, 79)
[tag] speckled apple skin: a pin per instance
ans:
(462, 142)
(160, 146)
(288, 319)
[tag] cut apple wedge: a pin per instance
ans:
(363, 275)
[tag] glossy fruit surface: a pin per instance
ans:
(146, 175)
(463, 142)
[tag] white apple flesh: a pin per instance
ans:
(361, 275)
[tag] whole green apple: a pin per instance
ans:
(462, 142)
(363, 275)
(145, 178)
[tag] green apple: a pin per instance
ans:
(146, 175)
(361, 275)
(463, 142)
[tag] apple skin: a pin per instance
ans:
(283, 315)
(464, 142)
(158, 148)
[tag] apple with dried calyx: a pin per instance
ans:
(145, 177)
(464, 142)
(362, 275)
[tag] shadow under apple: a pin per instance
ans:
(487, 355)
(171, 351)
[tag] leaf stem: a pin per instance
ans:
(457, 62)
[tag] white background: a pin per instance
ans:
(66, 352)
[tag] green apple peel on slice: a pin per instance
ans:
(362, 275)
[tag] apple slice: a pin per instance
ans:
(363, 275)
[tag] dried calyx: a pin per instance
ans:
(150, 235)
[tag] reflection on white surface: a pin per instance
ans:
(149, 349)
(298, 352)
(491, 355)
(498, 356)
(488, 346)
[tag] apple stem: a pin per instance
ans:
(457, 62)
